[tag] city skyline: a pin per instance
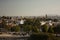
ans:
(29, 7)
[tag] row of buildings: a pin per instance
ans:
(14, 21)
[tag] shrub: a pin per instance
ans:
(38, 37)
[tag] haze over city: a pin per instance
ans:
(29, 7)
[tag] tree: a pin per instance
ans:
(57, 29)
(8, 28)
(50, 30)
(45, 28)
(35, 29)
(15, 28)
(55, 20)
(27, 28)
(32, 24)
(36, 23)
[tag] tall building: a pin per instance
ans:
(46, 16)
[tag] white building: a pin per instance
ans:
(43, 22)
(21, 21)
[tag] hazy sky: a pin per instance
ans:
(29, 7)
